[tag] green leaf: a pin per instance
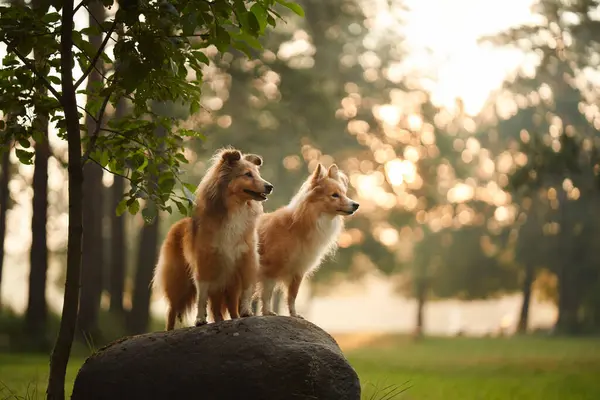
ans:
(104, 158)
(51, 18)
(181, 158)
(188, 191)
(24, 157)
(121, 207)
(181, 207)
(244, 39)
(149, 213)
(143, 165)
(134, 207)
(253, 24)
(201, 57)
(222, 39)
(194, 107)
(261, 16)
(24, 143)
(2, 125)
(166, 185)
(292, 6)
(54, 79)
(189, 24)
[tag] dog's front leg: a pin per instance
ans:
(246, 301)
(266, 294)
(202, 301)
(293, 288)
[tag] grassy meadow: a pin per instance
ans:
(433, 368)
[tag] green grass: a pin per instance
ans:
(434, 368)
(467, 368)
(26, 375)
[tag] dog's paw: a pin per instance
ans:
(297, 316)
(246, 314)
(200, 322)
(269, 314)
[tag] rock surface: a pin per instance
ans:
(256, 358)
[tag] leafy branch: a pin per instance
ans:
(34, 70)
(97, 56)
(98, 122)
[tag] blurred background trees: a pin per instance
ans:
(455, 204)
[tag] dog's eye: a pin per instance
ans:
(335, 195)
(248, 174)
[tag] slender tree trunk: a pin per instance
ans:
(4, 198)
(64, 341)
(147, 254)
(117, 239)
(568, 303)
(117, 248)
(568, 272)
(36, 314)
(420, 296)
(92, 258)
(527, 282)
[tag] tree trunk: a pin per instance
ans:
(147, 254)
(92, 258)
(62, 349)
(36, 314)
(117, 238)
(117, 248)
(568, 273)
(420, 294)
(527, 282)
(4, 198)
(568, 303)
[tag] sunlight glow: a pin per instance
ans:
(400, 171)
(442, 36)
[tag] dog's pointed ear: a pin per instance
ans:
(230, 156)
(254, 159)
(318, 173)
(343, 179)
(333, 172)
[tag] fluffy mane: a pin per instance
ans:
(301, 195)
(210, 193)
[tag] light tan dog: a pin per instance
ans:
(217, 247)
(294, 239)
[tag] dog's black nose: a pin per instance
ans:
(268, 188)
(355, 206)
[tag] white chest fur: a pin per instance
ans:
(230, 241)
(321, 241)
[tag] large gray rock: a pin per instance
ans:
(256, 358)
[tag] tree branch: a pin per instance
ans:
(34, 71)
(101, 73)
(78, 7)
(129, 138)
(109, 171)
(121, 175)
(98, 22)
(97, 56)
(94, 135)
